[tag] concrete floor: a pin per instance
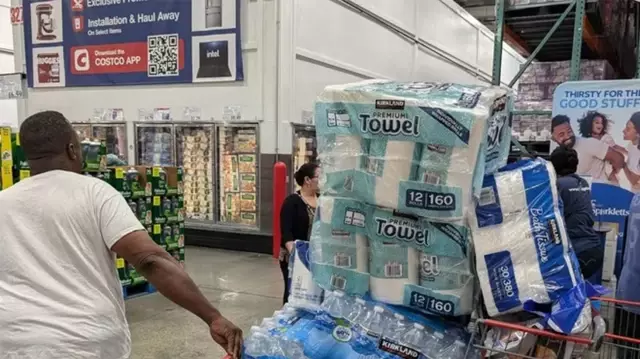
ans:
(245, 287)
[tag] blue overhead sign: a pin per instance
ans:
(130, 42)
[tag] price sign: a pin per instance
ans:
(16, 15)
(11, 87)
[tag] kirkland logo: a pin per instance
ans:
(390, 104)
(401, 351)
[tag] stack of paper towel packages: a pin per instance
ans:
(417, 206)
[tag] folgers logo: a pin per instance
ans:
(403, 230)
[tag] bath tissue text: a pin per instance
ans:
(540, 233)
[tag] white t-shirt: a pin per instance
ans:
(591, 154)
(60, 297)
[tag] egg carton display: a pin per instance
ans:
(195, 155)
(237, 162)
(155, 145)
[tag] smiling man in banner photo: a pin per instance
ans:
(593, 154)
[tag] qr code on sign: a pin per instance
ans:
(162, 54)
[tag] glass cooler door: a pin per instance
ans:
(154, 145)
(238, 181)
(115, 137)
(305, 148)
(83, 130)
(194, 152)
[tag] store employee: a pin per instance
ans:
(60, 296)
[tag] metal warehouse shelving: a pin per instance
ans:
(557, 31)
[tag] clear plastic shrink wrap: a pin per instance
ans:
(400, 165)
(523, 254)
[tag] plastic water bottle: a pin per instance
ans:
(375, 322)
(261, 343)
(291, 348)
(333, 304)
(416, 337)
(457, 350)
(357, 312)
(436, 344)
(397, 327)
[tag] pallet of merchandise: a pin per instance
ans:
(155, 195)
(6, 158)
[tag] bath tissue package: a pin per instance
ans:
(304, 292)
(522, 249)
(420, 148)
(395, 258)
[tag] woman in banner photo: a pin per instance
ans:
(596, 125)
(631, 169)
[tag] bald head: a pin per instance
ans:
(50, 142)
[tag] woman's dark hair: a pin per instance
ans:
(586, 123)
(565, 160)
(306, 170)
(635, 119)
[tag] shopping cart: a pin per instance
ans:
(613, 335)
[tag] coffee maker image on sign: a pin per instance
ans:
(46, 23)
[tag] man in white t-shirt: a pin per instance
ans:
(592, 153)
(60, 297)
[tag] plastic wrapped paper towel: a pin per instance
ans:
(420, 148)
(521, 245)
(411, 261)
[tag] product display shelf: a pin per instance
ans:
(155, 195)
(113, 134)
(13, 164)
(155, 144)
(195, 153)
(305, 148)
(238, 164)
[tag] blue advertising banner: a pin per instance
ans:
(595, 117)
(131, 42)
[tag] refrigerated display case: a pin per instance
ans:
(83, 130)
(195, 154)
(155, 144)
(305, 148)
(238, 168)
(114, 135)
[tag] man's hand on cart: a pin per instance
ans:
(227, 335)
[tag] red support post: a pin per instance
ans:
(279, 193)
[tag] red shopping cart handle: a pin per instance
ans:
(538, 332)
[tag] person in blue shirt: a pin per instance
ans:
(575, 193)
(627, 320)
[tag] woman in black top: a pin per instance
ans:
(296, 216)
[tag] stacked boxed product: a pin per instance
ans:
(195, 155)
(417, 207)
(535, 92)
(155, 195)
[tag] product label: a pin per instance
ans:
(389, 123)
(430, 304)
(401, 229)
(502, 279)
(433, 201)
(399, 350)
(448, 121)
(469, 99)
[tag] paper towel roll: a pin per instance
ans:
(351, 253)
(341, 152)
(362, 253)
(391, 162)
(304, 293)
(325, 206)
(444, 273)
(511, 192)
(392, 266)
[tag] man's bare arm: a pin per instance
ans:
(171, 280)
